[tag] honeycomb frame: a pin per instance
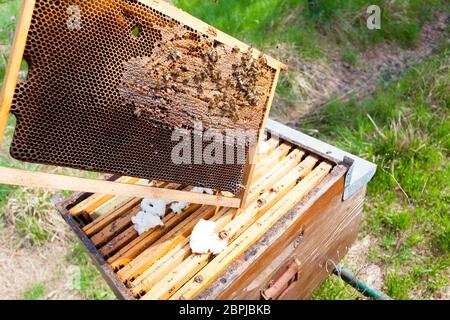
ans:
(62, 142)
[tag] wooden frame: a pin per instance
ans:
(45, 180)
(318, 229)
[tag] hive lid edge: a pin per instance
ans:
(360, 171)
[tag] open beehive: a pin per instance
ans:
(295, 196)
(110, 81)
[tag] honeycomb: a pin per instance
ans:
(105, 92)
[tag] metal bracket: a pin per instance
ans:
(360, 171)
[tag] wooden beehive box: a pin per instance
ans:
(306, 203)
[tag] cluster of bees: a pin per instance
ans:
(187, 72)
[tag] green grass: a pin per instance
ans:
(36, 292)
(91, 286)
(350, 55)
(335, 288)
(309, 24)
(405, 129)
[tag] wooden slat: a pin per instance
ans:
(98, 225)
(267, 162)
(250, 169)
(170, 221)
(14, 63)
(176, 278)
(87, 206)
(118, 225)
(116, 210)
(243, 242)
(173, 258)
(117, 201)
(277, 171)
(123, 219)
(59, 182)
(160, 268)
(145, 259)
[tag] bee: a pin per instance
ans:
(175, 55)
(197, 79)
(213, 56)
(216, 76)
(137, 112)
(235, 49)
(263, 59)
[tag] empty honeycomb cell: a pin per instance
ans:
(86, 84)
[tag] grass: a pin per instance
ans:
(311, 25)
(36, 292)
(334, 288)
(91, 284)
(405, 129)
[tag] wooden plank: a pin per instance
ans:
(172, 259)
(266, 163)
(253, 151)
(279, 170)
(116, 210)
(159, 269)
(118, 225)
(122, 220)
(145, 259)
(59, 182)
(170, 221)
(176, 278)
(87, 206)
(97, 225)
(119, 242)
(244, 241)
(142, 242)
(117, 201)
(14, 63)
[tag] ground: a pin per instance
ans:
(382, 95)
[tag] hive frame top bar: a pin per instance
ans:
(40, 179)
(202, 27)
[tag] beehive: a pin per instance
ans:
(109, 81)
(297, 220)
